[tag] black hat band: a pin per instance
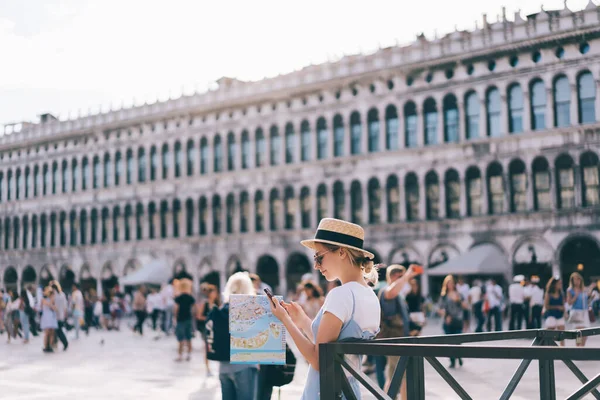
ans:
(340, 238)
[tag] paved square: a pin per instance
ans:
(128, 367)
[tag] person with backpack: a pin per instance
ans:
(238, 381)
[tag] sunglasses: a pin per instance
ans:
(319, 258)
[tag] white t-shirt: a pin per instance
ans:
(516, 293)
(475, 294)
(154, 302)
(494, 295)
(77, 300)
(463, 290)
(167, 294)
(367, 311)
(537, 296)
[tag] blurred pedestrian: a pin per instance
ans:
(184, 311)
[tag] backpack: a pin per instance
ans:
(280, 375)
(217, 334)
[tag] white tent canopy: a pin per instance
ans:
(484, 259)
(155, 272)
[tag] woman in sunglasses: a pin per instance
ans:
(351, 311)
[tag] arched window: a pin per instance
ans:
(541, 184)
(141, 165)
(9, 184)
(115, 224)
(274, 209)
(452, 182)
(229, 212)
(107, 170)
(203, 216)
(43, 230)
(275, 145)
(391, 128)
(189, 217)
(589, 177)
(93, 227)
(518, 186)
(430, 121)
(586, 94)
(411, 188)
(260, 148)
(47, 180)
(28, 181)
(26, 232)
(410, 124)
(373, 128)
(231, 151)
(7, 242)
(152, 220)
(356, 203)
(34, 230)
(164, 211)
(305, 207)
(322, 205)
(245, 150)
(103, 225)
(2, 184)
(130, 167)
(178, 159)
(37, 182)
(474, 191)
(338, 136)
(64, 178)
(165, 161)
(494, 112)
(139, 221)
(176, 215)
(244, 211)
(72, 229)
(393, 199)
(451, 126)
(118, 168)
(203, 156)
(259, 211)
(19, 182)
(290, 138)
(153, 163)
(322, 137)
(339, 200)
(472, 115)
(537, 93)
(355, 133)
(55, 177)
(190, 150)
(127, 222)
(17, 231)
(83, 223)
(304, 141)
(289, 204)
(515, 109)
(432, 195)
(495, 189)
(374, 193)
(562, 102)
(565, 182)
(218, 154)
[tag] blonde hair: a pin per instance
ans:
(238, 283)
(576, 275)
(393, 269)
(359, 259)
(447, 280)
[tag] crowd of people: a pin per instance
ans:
(352, 305)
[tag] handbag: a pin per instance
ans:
(391, 327)
(591, 315)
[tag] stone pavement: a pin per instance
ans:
(127, 366)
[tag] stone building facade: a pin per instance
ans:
(487, 136)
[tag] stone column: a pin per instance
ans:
(503, 113)
(442, 212)
(252, 212)
(3, 186)
(238, 154)
(508, 191)
(313, 141)
(462, 128)
(73, 230)
(578, 186)
(553, 186)
(574, 106)
(439, 103)
(401, 200)
(267, 212)
(383, 201)
(364, 127)
(463, 196)
(347, 135)
(330, 203)
(145, 222)
(366, 204)
(209, 217)
(297, 141)
(135, 169)
(422, 198)
(485, 195)
(267, 159)
(88, 227)
(420, 123)
(298, 210)
(382, 129)
(549, 108)
(482, 117)
(526, 111)
(330, 136)
(597, 102)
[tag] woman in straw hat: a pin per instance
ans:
(350, 311)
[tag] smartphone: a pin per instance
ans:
(418, 269)
(268, 292)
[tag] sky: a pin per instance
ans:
(71, 56)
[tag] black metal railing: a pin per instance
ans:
(414, 351)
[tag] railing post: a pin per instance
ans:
(547, 378)
(330, 372)
(415, 378)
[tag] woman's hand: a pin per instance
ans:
(278, 311)
(296, 312)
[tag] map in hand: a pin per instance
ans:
(257, 337)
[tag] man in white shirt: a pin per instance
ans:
(493, 295)
(527, 288)
(462, 288)
(516, 297)
(62, 308)
(476, 301)
(536, 302)
(167, 295)
(77, 308)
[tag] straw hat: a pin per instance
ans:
(339, 233)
